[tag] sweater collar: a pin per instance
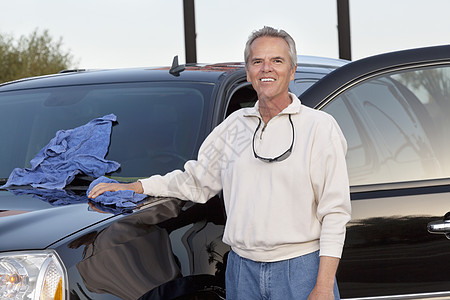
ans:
(293, 108)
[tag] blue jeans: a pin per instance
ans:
(288, 279)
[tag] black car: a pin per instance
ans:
(392, 108)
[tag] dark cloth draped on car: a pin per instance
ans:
(70, 152)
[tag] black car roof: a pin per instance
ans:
(353, 72)
(192, 72)
(110, 76)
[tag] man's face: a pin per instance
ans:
(269, 67)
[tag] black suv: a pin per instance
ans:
(392, 108)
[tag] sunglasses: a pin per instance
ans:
(281, 157)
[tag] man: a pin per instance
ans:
(281, 167)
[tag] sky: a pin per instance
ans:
(145, 33)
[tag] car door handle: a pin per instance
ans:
(440, 226)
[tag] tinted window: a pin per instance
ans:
(397, 126)
(298, 86)
(158, 126)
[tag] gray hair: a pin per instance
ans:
(267, 31)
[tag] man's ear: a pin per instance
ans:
(292, 76)
(246, 71)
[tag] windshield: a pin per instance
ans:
(158, 128)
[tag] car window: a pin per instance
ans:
(159, 126)
(397, 126)
(298, 86)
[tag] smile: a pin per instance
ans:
(267, 79)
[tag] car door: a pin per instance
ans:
(394, 111)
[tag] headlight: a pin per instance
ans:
(32, 275)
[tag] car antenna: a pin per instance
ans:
(176, 69)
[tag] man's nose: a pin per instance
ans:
(266, 66)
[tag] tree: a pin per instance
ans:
(33, 55)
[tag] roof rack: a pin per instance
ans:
(71, 71)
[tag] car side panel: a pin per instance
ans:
(388, 250)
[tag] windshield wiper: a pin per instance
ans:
(80, 182)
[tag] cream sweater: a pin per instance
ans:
(277, 210)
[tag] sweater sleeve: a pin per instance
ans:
(201, 178)
(331, 187)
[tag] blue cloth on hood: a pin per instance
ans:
(70, 152)
(126, 198)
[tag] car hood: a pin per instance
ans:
(35, 219)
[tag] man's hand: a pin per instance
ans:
(114, 187)
(325, 279)
(318, 294)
